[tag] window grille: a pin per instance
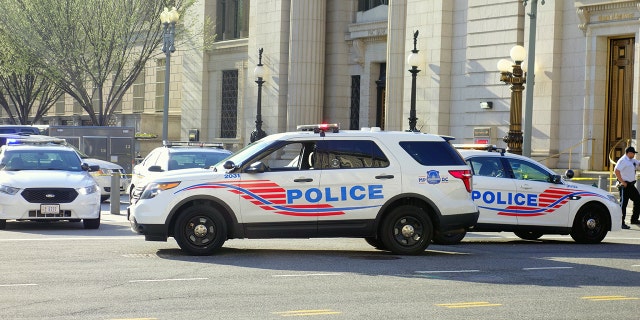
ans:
(229, 112)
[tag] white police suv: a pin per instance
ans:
(394, 189)
(41, 179)
(517, 194)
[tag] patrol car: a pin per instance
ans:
(394, 189)
(41, 179)
(517, 194)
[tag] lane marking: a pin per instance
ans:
(609, 298)
(168, 280)
(19, 285)
(302, 313)
(306, 275)
(78, 238)
(447, 271)
(468, 304)
(546, 268)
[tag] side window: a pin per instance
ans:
(524, 170)
(291, 157)
(350, 154)
(487, 167)
(432, 153)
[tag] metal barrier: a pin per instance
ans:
(115, 193)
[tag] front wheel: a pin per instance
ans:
(406, 230)
(529, 235)
(591, 224)
(91, 223)
(200, 230)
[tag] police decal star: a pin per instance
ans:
(269, 196)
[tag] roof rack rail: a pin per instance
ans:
(192, 144)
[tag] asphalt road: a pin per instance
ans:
(61, 271)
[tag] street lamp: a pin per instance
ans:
(258, 133)
(512, 73)
(414, 60)
(168, 19)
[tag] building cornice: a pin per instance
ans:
(593, 13)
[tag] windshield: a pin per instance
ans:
(15, 160)
(243, 155)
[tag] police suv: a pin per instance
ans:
(43, 180)
(397, 190)
(519, 195)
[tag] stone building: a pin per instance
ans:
(345, 61)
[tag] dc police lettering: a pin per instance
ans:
(506, 198)
(344, 193)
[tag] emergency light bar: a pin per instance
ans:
(27, 140)
(191, 144)
(317, 128)
(480, 146)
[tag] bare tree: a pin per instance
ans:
(92, 49)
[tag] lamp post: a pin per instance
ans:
(168, 19)
(414, 60)
(512, 73)
(528, 108)
(258, 133)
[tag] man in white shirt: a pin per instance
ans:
(625, 170)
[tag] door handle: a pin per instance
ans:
(385, 176)
(303, 180)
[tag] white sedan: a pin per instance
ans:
(519, 195)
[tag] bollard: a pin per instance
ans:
(115, 192)
(602, 183)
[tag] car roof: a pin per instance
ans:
(196, 149)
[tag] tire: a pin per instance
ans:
(3, 224)
(449, 238)
(591, 224)
(200, 230)
(529, 235)
(91, 223)
(407, 230)
(104, 198)
(375, 242)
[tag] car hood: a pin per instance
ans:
(101, 163)
(46, 179)
(182, 175)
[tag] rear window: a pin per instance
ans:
(432, 153)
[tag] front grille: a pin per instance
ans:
(47, 195)
(38, 214)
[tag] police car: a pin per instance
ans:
(394, 189)
(41, 179)
(517, 194)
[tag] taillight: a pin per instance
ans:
(465, 176)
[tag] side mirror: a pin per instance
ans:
(229, 165)
(556, 178)
(256, 167)
(569, 174)
(86, 167)
(155, 169)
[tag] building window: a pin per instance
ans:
(160, 68)
(59, 106)
(229, 114)
(138, 93)
(364, 5)
(354, 120)
(232, 19)
(77, 108)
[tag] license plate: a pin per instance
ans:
(49, 208)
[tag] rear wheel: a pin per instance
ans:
(591, 224)
(529, 235)
(448, 238)
(406, 230)
(3, 224)
(200, 230)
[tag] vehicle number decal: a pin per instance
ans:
(231, 175)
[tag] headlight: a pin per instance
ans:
(88, 190)
(153, 189)
(9, 190)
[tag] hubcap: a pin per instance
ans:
(200, 231)
(408, 231)
(591, 223)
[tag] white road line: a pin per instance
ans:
(447, 271)
(19, 285)
(546, 268)
(75, 238)
(167, 280)
(306, 275)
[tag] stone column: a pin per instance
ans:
(396, 66)
(306, 62)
